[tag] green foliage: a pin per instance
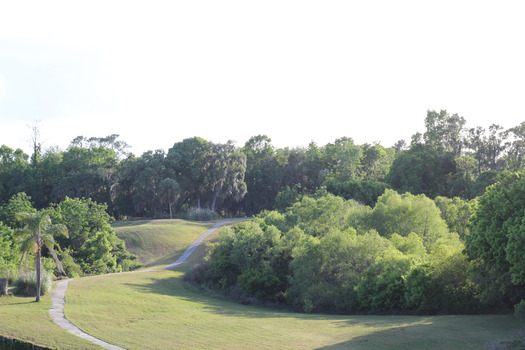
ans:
(319, 216)
(382, 288)
(519, 311)
(326, 270)
(287, 197)
(497, 240)
(26, 283)
(196, 214)
(72, 269)
(456, 213)
(441, 284)
(92, 242)
(424, 170)
(19, 203)
(9, 252)
(318, 256)
(365, 192)
(404, 214)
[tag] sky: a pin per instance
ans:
(157, 72)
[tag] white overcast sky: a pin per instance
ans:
(157, 72)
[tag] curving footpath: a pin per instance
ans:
(58, 298)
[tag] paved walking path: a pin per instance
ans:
(58, 298)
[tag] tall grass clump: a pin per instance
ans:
(196, 214)
(25, 284)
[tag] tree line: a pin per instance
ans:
(448, 159)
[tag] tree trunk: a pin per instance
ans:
(199, 201)
(38, 261)
(171, 213)
(3, 286)
(214, 201)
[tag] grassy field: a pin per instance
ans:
(21, 318)
(159, 242)
(157, 310)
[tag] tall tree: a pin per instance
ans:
(497, 241)
(225, 174)
(444, 131)
(169, 193)
(189, 159)
(38, 231)
(515, 157)
(262, 169)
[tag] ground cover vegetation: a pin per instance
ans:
(392, 197)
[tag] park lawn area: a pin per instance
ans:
(157, 309)
(159, 242)
(23, 319)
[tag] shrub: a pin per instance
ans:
(130, 265)
(202, 215)
(26, 283)
(9, 273)
(73, 270)
(519, 311)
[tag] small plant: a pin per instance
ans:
(26, 283)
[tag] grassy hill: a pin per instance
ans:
(155, 310)
(159, 242)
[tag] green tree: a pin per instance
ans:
(423, 170)
(497, 241)
(515, 157)
(92, 241)
(19, 203)
(38, 231)
(456, 213)
(404, 214)
(169, 192)
(225, 173)
(190, 159)
(444, 132)
(261, 177)
(13, 172)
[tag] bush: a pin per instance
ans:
(26, 283)
(9, 273)
(519, 311)
(130, 265)
(73, 270)
(202, 215)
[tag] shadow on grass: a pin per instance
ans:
(382, 332)
(217, 304)
(442, 333)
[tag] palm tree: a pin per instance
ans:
(38, 231)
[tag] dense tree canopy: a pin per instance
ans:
(497, 241)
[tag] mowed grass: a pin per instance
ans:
(158, 310)
(24, 319)
(159, 242)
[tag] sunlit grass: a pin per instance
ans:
(159, 242)
(24, 319)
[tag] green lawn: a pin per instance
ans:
(159, 242)
(24, 319)
(157, 310)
